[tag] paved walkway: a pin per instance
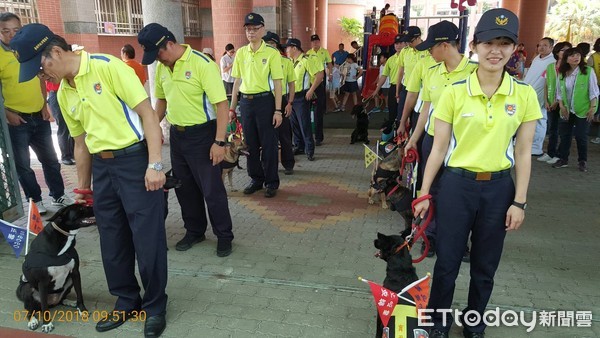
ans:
(296, 257)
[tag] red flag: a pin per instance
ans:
(385, 300)
(419, 291)
(36, 225)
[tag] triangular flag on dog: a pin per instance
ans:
(36, 225)
(370, 156)
(385, 300)
(419, 291)
(15, 236)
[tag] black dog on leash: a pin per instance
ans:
(361, 132)
(51, 268)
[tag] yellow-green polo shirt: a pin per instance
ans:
(288, 73)
(257, 68)
(391, 68)
(322, 54)
(305, 69)
(437, 79)
(100, 105)
(24, 97)
(483, 128)
(191, 89)
(409, 57)
(415, 82)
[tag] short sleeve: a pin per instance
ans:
(532, 106)
(126, 85)
(159, 93)
(444, 110)
(313, 65)
(211, 76)
(235, 71)
(415, 79)
(275, 65)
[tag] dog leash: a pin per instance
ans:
(411, 158)
(418, 226)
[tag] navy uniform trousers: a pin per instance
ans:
(425, 144)
(284, 133)
(320, 111)
(392, 104)
(302, 130)
(200, 180)
(261, 138)
(465, 205)
(131, 225)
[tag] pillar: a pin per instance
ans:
(303, 21)
(531, 25)
(512, 5)
(228, 23)
(321, 21)
(80, 24)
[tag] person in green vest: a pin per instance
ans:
(577, 96)
(594, 62)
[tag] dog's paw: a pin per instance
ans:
(69, 303)
(371, 201)
(384, 206)
(46, 328)
(33, 323)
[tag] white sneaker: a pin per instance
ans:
(544, 158)
(553, 160)
(63, 201)
(595, 140)
(41, 208)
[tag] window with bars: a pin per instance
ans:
(119, 17)
(25, 9)
(190, 11)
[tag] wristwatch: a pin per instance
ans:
(520, 205)
(219, 143)
(158, 166)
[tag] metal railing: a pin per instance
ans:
(119, 17)
(190, 11)
(25, 9)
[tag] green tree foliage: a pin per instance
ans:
(352, 27)
(584, 16)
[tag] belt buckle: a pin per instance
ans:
(486, 176)
(180, 128)
(249, 97)
(106, 154)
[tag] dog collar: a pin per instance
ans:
(60, 230)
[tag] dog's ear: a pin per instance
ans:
(63, 212)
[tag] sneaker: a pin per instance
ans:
(560, 164)
(41, 208)
(188, 241)
(553, 160)
(375, 110)
(595, 140)
(252, 188)
(582, 166)
(63, 201)
(544, 158)
(67, 162)
(270, 192)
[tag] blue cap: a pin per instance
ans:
(27, 45)
(442, 31)
(314, 37)
(497, 23)
(294, 43)
(254, 19)
(271, 37)
(410, 33)
(398, 38)
(152, 37)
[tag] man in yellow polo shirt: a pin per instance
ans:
(109, 115)
(390, 70)
(185, 87)
(325, 58)
(28, 125)
(407, 61)
(254, 66)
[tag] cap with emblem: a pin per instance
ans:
(410, 33)
(271, 37)
(152, 37)
(497, 23)
(28, 45)
(314, 37)
(294, 43)
(254, 20)
(442, 31)
(398, 38)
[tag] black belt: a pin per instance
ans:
(192, 127)
(479, 176)
(134, 148)
(39, 113)
(255, 96)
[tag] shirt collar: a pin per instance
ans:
(262, 47)
(461, 65)
(5, 47)
(187, 53)
(474, 88)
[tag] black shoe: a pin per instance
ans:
(468, 334)
(252, 188)
(431, 251)
(223, 247)
(467, 255)
(155, 326)
(289, 171)
(298, 151)
(188, 241)
(311, 157)
(67, 162)
(270, 192)
(435, 333)
(318, 143)
(115, 319)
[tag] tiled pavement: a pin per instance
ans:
(296, 258)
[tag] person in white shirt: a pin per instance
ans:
(350, 74)
(226, 65)
(535, 78)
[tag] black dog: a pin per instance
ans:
(51, 267)
(361, 132)
(400, 271)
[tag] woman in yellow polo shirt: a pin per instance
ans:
(476, 121)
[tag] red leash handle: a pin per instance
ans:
(86, 192)
(420, 232)
(412, 156)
